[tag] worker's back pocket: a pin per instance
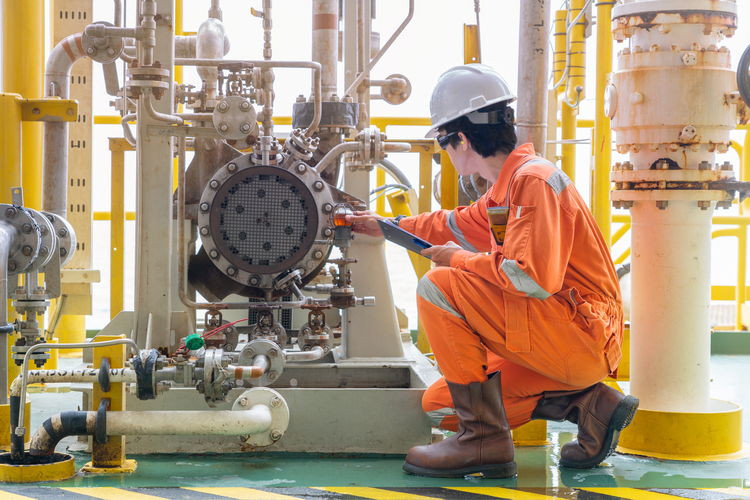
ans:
(518, 231)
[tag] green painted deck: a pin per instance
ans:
(279, 475)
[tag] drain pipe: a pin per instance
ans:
(256, 420)
(9, 242)
(55, 156)
(533, 71)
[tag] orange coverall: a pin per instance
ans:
(547, 301)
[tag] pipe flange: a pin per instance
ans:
(25, 248)
(47, 246)
(279, 414)
(300, 147)
(215, 383)
(102, 50)
(235, 118)
(275, 355)
(396, 94)
(66, 237)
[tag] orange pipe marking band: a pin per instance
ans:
(325, 22)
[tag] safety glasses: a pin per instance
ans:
(444, 140)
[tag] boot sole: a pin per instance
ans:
(495, 471)
(621, 418)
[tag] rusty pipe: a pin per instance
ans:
(533, 71)
(325, 43)
(357, 81)
(55, 139)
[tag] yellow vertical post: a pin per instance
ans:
(471, 44)
(741, 289)
(602, 129)
(448, 182)
(23, 66)
(179, 30)
(380, 202)
(71, 329)
(117, 235)
(110, 455)
(10, 145)
(744, 169)
(425, 205)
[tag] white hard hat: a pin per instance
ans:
(464, 89)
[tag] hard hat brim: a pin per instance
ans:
(433, 132)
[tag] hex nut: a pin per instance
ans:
(249, 351)
(254, 280)
(244, 105)
(10, 212)
(231, 271)
(12, 265)
(204, 207)
(224, 128)
(204, 231)
(214, 254)
(273, 375)
(300, 167)
(275, 435)
(327, 231)
(275, 402)
(43, 250)
(223, 106)
(318, 254)
(244, 402)
(26, 250)
(214, 184)
(327, 208)
(90, 51)
(273, 352)
(26, 228)
(245, 128)
(318, 185)
(232, 167)
(63, 252)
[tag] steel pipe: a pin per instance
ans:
(55, 155)
(9, 242)
(272, 64)
(366, 70)
(211, 44)
(313, 354)
(325, 43)
(335, 152)
(533, 72)
(189, 423)
(162, 117)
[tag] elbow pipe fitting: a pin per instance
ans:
(60, 426)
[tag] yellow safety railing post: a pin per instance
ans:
(110, 455)
(602, 146)
(117, 234)
(448, 182)
(23, 66)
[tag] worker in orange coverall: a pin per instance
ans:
(523, 273)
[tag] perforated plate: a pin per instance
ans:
(264, 220)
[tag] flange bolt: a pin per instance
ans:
(26, 228)
(10, 212)
(318, 185)
(224, 128)
(204, 231)
(214, 254)
(244, 105)
(214, 184)
(244, 402)
(232, 167)
(223, 106)
(276, 435)
(26, 250)
(300, 167)
(275, 402)
(204, 207)
(273, 375)
(245, 128)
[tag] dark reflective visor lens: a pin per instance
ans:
(444, 140)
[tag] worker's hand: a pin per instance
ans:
(441, 254)
(366, 222)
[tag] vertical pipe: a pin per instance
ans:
(361, 62)
(533, 70)
(267, 73)
(117, 239)
(678, 281)
(602, 131)
(10, 145)
(154, 205)
(23, 65)
(8, 240)
(325, 43)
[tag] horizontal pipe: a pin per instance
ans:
(313, 354)
(335, 152)
(189, 423)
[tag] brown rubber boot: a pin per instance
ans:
(483, 443)
(600, 412)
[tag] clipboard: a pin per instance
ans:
(402, 238)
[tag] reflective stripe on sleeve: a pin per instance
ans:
(437, 416)
(453, 226)
(558, 181)
(521, 280)
(430, 292)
